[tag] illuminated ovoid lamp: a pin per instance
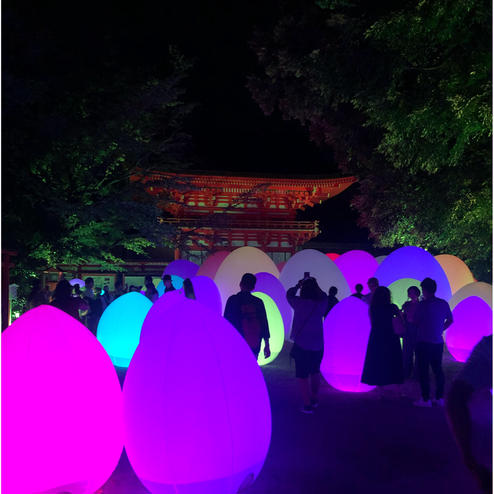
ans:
(472, 320)
(346, 333)
(62, 420)
(238, 262)
(77, 281)
(456, 270)
(177, 282)
(333, 256)
(357, 266)
(272, 286)
(211, 264)
(399, 290)
(416, 263)
(182, 268)
(119, 328)
(196, 407)
(320, 266)
(207, 293)
(475, 289)
(276, 331)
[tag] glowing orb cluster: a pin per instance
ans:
(346, 333)
(240, 261)
(211, 264)
(399, 290)
(320, 267)
(77, 281)
(276, 331)
(62, 421)
(197, 417)
(456, 270)
(472, 320)
(177, 282)
(357, 266)
(182, 268)
(416, 263)
(119, 328)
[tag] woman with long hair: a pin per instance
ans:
(63, 300)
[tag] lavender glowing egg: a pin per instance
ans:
(357, 266)
(472, 320)
(77, 281)
(416, 263)
(346, 333)
(270, 285)
(241, 261)
(177, 283)
(456, 270)
(212, 263)
(207, 293)
(119, 328)
(276, 330)
(62, 417)
(319, 266)
(399, 290)
(182, 268)
(196, 407)
(475, 289)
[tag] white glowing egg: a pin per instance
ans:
(212, 263)
(475, 289)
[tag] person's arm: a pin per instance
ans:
(449, 318)
(291, 295)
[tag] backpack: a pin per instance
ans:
(251, 326)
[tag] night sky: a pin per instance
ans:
(230, 133)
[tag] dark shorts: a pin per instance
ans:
(307, 362)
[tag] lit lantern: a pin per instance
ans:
(241, 261)
(196, 407)
(456, 270)
(475, 289)
(333, 256)
(357, 266)
(119, 328)
(346, 333)
(207, 293)
(416, 263)
(319, 266)
(212, 263)
(181, 268)
(272, 286)
(380, 259)
(399, 290)
(472, 320)
(77, 281)
(276, 332)
(62, 421)
(177, 282)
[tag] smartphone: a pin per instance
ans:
(306, 275)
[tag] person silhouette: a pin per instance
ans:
(167, 281)
(409, 309)
(332, 300)
(372, 283)
(358, 291)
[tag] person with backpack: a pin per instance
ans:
(248, 315)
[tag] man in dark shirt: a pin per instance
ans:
(167, 282)
(248, 315)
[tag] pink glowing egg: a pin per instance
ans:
(456, 270)
(475, 289)
(280, 265)
(472, 320)
(333, 256)
(182, 268)
(346, 333)
(416, 263)
(207, 293)
(62, 420)
(196, 407)
(212, 263)
(357, 266)
(238, 262)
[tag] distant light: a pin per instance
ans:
(333, 256)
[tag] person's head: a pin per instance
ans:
(372, 283)
(77, 289)
(150, 286)
(413, 292)
(382, 296)
(89, 283)
(148, 279)
(63, 290)
(167, 281)
(248, 282)
(189, 289)
(333, 291)
(359, 287)
(310, 289)
(429, 287)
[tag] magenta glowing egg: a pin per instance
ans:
(346, 333)
(196, 407)
(212, 263)
(333, 256)
(62, 419)
(182, 268)
(319, 266)
(357, 266)
(270, 285)
(472, 320)
(475, 289)
(241, 261)
(456, 270)
(207, 293)
(416, 263)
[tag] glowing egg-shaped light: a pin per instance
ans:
(272, 286)
(456, 270)
(475, 289)
(399, 290)
(177, 282)
(211, 435)
(119, 328)
(357, 266)
(380, 259)
(77, 281)
(346, 333)
(333, 256)
(182, 268)
(276, 330)
(238, 262)
(416, 263)
(319, 266)
(211, 264)
(472, 320)
(62, 421)
(207, 293)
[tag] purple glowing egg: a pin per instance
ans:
(62, 418)
(207, 293)
(196, 407)
(77, 281)
(346, 333)
(211, 264)
(472, 320)
(357, 266)
(182, 268)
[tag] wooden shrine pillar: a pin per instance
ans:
(6, 266)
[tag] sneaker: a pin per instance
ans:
(422, 403)
(439, 402)
(314, 403)
(307, 409)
